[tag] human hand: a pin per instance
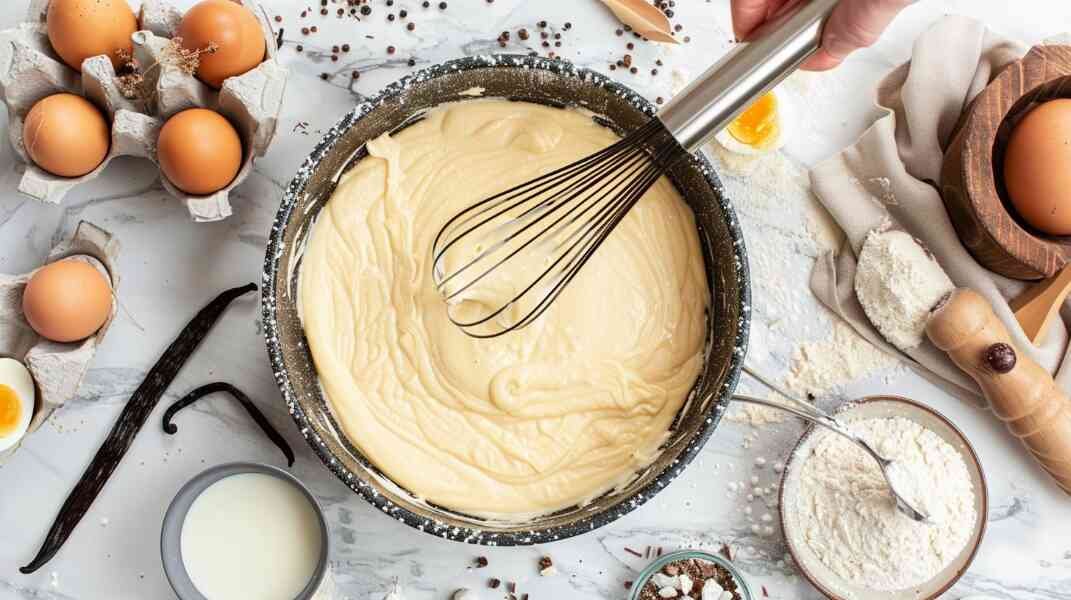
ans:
(854, 24)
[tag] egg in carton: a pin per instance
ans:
(57, 368)
(30, 70)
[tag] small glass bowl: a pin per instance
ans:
(656, 566)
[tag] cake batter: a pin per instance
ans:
(540, 419)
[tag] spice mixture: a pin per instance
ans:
(691, 578)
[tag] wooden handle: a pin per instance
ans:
(1020, 392)
(1038, 306)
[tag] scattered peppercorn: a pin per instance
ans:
(355, 75)
(677, 27)
(334, 49)
(366, 10)
(634, 70)
(304, 31)
(523, 34)
(630, 46)
(542, 24)
(323, 11)
(567, 25)
(654, 71)
(425, 3)
(278, 19)
(411, 26)
(391, 49)
(345, 47)
(390, 17)
(314, 29)
(494, 583)
(299, 48)
(620, 32)
(324, 76)
(442, 6)
(411, 62)
(403, 14)
(334, 58)
(658, 100)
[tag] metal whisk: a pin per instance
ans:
(502, 262)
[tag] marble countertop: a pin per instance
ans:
(170, 267)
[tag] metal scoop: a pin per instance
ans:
(815, 415)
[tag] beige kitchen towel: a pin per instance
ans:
(890, 175)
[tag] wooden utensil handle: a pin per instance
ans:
(1020, 392)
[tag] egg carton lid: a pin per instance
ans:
(30, 70)
(57, 368)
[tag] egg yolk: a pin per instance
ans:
(10, 409)
(757, 126)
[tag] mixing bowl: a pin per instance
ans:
(532, 79)
(812, 567)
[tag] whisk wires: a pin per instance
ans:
(503, 261)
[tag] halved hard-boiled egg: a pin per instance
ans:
(763, 127)
(16, 402)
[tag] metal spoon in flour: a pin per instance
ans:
(815, 415)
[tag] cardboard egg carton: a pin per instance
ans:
(30, 70)
(57, 368)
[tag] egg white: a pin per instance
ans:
(14, 375)
(786, 123)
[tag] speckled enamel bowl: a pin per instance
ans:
(532, 79)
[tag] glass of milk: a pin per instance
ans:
(244, 530)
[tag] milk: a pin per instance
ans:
(251, 536)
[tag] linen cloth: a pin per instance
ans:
(890, 174)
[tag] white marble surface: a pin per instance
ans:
(170, 267)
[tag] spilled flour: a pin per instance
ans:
(819, 366)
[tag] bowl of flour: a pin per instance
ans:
(840, 522)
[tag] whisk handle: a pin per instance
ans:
(747, 72)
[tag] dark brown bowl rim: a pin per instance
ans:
(355, 481)
(794, 454)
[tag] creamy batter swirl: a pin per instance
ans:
(537, 420)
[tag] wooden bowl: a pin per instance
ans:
(971, 176)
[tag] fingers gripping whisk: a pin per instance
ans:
(503, 261)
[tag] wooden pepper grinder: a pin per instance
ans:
(1020, 392)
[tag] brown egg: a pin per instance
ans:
(66, 135)
(234, 33)
(79, 29)
(1037, 167)
(199, 151)
(67, 301)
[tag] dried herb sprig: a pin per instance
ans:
(132, 78)
(134, 415)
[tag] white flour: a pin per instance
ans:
(820, 366)
(898, 283)
(847, 516)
